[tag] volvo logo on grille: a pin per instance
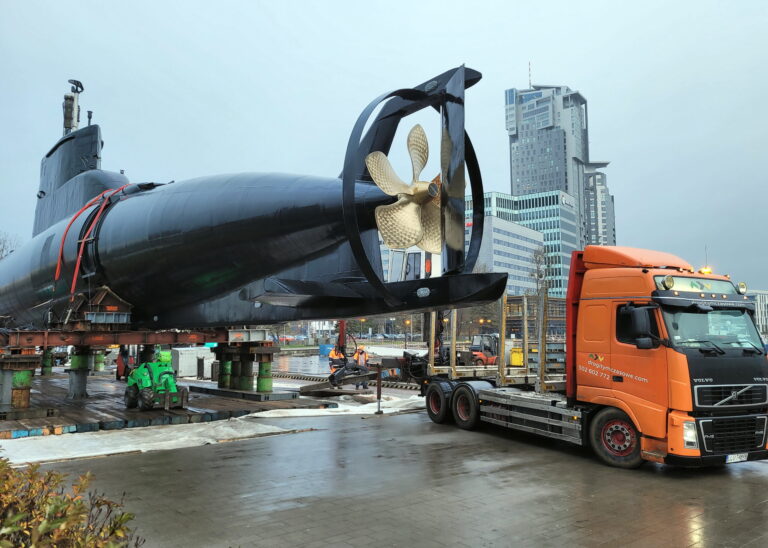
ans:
(731, 395)
(735, 393)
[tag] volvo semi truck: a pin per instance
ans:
(663, 363)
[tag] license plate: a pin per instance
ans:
(736, 457)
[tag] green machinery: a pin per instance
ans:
(153, 384)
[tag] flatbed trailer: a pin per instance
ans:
(470, 402)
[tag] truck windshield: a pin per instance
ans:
(716, 328)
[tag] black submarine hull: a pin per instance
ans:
(181, 243)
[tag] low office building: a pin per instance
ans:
(553, 214)
(506, 247)
(761, 311)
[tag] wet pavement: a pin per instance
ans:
(404, 481)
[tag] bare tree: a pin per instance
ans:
(539, 270)
(539, 273)
(8, 242)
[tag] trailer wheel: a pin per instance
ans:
(146, 399)
(131, 397)
(466, 411)
(615, 438)
(437, 404)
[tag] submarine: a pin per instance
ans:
(252, 248)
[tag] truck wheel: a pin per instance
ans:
(131, 397)
(146, 399)
(437, 404)
(466, 411)
(479, 363)
(615, 439)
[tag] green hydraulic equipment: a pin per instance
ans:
(153, 384)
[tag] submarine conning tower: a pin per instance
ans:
(70, 173)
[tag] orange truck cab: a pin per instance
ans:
(674, 350)
(663, 363)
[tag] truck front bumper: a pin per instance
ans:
(710, 460)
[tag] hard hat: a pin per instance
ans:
(361, 347)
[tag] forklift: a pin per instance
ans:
(485, 349)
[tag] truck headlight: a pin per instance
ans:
(690, 438)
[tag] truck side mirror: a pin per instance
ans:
(644, 343)
(640, 324)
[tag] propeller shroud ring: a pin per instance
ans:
(354, 164)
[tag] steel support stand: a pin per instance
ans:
(80, 363)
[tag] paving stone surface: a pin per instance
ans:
(404, 481)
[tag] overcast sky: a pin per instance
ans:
(676, 95)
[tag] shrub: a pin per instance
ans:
(37, 510)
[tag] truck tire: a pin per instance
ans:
(615, 439)
(146, 399)
(465, 408)
(479, 362)
(131, 397)
(438, 408)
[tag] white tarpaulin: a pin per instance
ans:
(150, 438)
(348, 406)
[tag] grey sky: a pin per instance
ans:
(676, 96)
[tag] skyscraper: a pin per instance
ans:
(548, 129)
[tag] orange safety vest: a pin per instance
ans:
(335, 355)
(361, 358)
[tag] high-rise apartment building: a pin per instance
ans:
(600, 216)
(548, 131)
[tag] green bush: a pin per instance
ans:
(37, 510)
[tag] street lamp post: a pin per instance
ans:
(407, 323)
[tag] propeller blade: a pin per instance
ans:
(418, 148)
(400, 223)
(384, 176)
(432, 241)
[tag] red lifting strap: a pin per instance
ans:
(85, 239)
(105, 200)
(66, 231)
